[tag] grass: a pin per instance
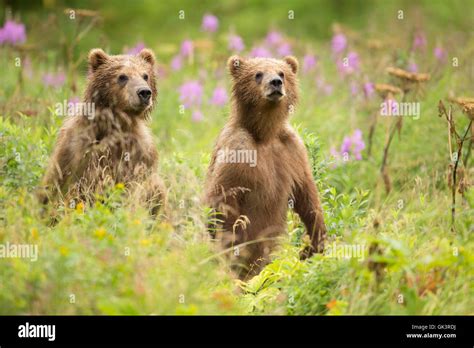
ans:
(112, 259)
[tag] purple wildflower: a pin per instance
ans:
(190, 93)
(338, 43)
(197, 116)
(419, 41)
(236, 43)
(354, 88)
(210, 23)
(176, 63)
(349, 64)
(54, 80)
(369, 90)
(284, 49)
(273, 38)
(260, 51)
(309, 62)
(412, 67)
(323, 86)
(219, 97)
(351, 147)
(12, 33)
(440, 53)
(187, 48)
(137, 49)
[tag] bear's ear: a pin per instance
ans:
(148, 56)
(235, 64)
(97, 57)
(292, 62)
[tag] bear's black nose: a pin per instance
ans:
(277, 82)
(144, 94)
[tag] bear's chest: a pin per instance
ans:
(120, 156)
(275, 171)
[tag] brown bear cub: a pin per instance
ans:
(260, 166)
(110, 143)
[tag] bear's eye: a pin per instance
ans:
(145, 77)
(122, 78)
(281, 75)
(258, 76)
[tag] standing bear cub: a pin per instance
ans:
(260, 164)
(109, 143)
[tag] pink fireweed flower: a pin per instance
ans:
(219, 96)
(210, 23)
(419, 41)
(348, 65)
(273, 38)
(369, 90)
(54, 80)
(440, 54)
(323, 86)
(197, 116)
(135, 50)
(191, 93)
(260, 51)
(354, 88)
(187, 48)
(284, 49)
(351, 148)
(338, 43)
(176, 63)
(309, 62)
(236, 43)
(12, 33)
(412, 67)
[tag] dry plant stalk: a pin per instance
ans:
(454, 169)
(90, 19)
(407, 76)
(386, 92)
(467, 106)
(408, 82)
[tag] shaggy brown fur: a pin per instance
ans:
(254, 200)
(114, 145)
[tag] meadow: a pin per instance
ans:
(393, 246)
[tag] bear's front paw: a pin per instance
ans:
(307, 252)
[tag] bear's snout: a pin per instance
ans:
(144, 94)
(274, 89)
(276, 82)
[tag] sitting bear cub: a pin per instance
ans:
(113, 145)
(260, 165)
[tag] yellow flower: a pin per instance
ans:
(34, 233)
(64, 251)
(100, 233)
(137, 222)
(120, 186)
(80, 207)
(145, 242)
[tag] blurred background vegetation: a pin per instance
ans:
(157, 24)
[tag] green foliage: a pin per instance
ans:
(21, 161)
